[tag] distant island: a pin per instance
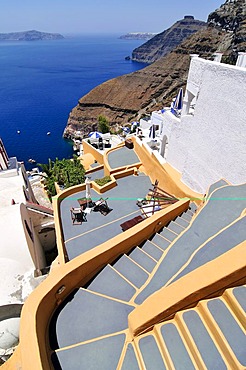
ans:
(138, 36)
(30, 36)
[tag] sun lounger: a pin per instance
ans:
(101, 206)
(132, 222)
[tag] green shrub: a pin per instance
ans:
(103, 124)
(104, 180)
(66, 172)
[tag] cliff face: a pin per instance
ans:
(166, 41)
(132, 96)
(231, 16)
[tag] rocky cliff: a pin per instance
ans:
(166, 41)
(29, 36)
(231, 16)
(135, 95)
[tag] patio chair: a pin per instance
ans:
(78, 216)
(101, 206)
(100, 143)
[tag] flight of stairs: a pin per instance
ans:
(133, 269)
(209, 336)
(91, 327)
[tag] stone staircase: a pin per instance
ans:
(209, 336)
(133, 269)
(90, 329)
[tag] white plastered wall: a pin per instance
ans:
(211, 143)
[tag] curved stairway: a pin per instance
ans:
(90, 329)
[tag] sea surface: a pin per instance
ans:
(41, 81)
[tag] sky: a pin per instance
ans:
(99, 16)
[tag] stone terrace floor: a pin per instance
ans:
(122, 157)
(98, 228)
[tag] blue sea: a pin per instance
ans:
(41, 81)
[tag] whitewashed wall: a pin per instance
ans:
(211, 143)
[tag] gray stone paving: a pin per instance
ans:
(230, 328)
(217, 246)
(151, 354)
(88, 316)
(99, 228)
(103, 354)
(176, 348)
(223, 208)
(204, 342)
(122, 157)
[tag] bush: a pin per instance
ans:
(103, 181)
(66, 172)
(103, 125)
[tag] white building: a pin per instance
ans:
(208, 141)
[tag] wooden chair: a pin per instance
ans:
(78, 216)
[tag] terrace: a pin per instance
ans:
(98, 228)
(136, 297)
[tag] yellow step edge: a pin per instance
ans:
(235, 307)
(123, 277)
(199, 248)
(163, 351)
(147, 272)
(90, 341)
(187, 338)
(147, 254)
(152, 272)
(161, 342)
(219, 339)
(183, 227)
(107, 296)
(124, 350)
(186, 292)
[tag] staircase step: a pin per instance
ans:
(86, 316)
(168, 234)
(229, 327)
(189, 212)
(135, 274)
(160, 242)
(182, 222)
(176, 348)
(240, 295)
(203, 341)
(193, 207)
(152, 250)
(173, 226)
(185, 216)
(130, 361)
(215, 247)
(108, 351)
(142, 259)
(216, 185)
(120, 289)
(151, 353)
